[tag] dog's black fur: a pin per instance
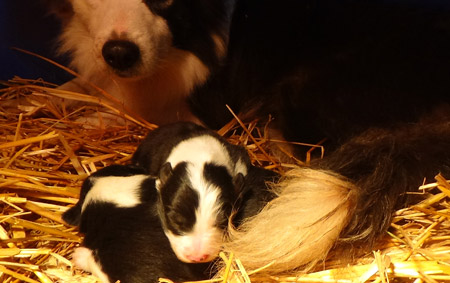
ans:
(331, 69)
(385, 164)
(361, 74)
(128, 242)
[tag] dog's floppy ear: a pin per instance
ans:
(60, 8)
(165, 172)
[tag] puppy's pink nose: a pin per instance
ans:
(198, 258)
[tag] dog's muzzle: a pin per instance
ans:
(121, 55)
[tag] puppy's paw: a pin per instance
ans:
(84, 258)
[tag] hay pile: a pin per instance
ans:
(46, 152)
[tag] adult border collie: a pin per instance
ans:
(372, 77)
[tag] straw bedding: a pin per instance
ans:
(47, 151)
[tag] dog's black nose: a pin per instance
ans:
(121, 54)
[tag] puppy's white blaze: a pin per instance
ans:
(205, 237)
(201, 150)
(121, 191)
(209, 206)
(83, 258)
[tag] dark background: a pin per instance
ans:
(27, 24)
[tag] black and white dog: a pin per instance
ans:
(124, 239)
(200, 177)
(371, 77)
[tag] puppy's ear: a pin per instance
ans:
(238, 183)
(73, 215)
(240, 190)
(165, 172)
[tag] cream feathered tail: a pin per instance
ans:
(347, 198)
(303, 222)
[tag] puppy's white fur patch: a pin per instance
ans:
(205, 149)
(121, 191)
(84, 259)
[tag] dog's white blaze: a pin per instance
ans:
(205, 237)
(121, 191)
(84, 259)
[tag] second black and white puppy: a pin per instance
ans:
(124, 239)
(200, 176)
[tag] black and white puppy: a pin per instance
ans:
(200, 176)
(124, 239)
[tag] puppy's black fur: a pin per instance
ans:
(72, 216)
(154, 150)
(178, 196)
(129, 243)
(256, 193)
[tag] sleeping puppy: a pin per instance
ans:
(199, 178)
(124, 240)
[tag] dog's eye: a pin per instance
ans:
(158, 5)
(177, 223)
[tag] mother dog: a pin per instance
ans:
(371, 77)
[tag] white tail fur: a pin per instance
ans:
(298, 227)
